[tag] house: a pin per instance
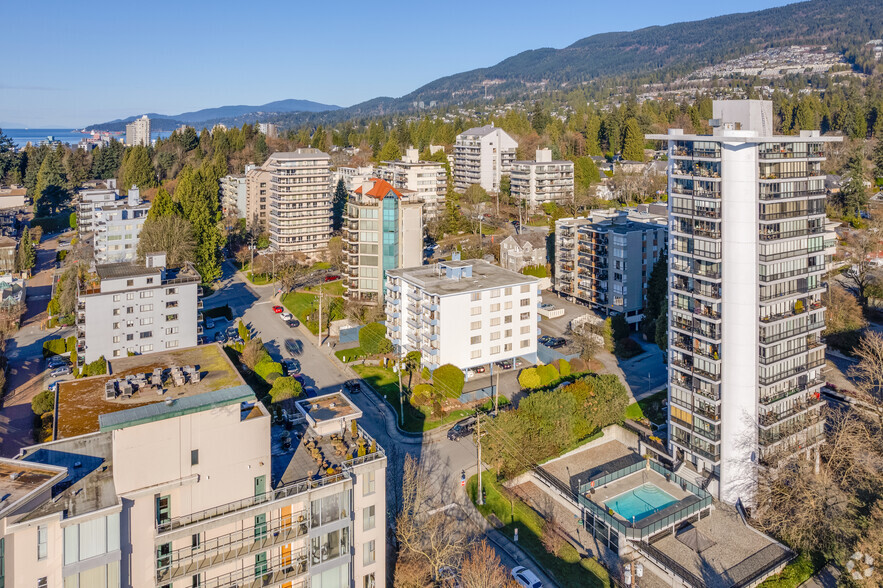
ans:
(520, 251)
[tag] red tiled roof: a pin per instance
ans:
(380, 190)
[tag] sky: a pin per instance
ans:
(71, 64)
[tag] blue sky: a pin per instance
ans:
(76, 63)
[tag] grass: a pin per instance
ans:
(568, 568)
(351, 354)
(334, 288)
(649, 408)
(320, 265)
(801, 569)
(417, 420)
(260, 279)
(302, 305)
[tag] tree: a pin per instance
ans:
(171, 235)
(243, 331)
(843, 318)
(50, 192)
(372, 339)
(661, 333)
(285, 388)
(657, 291)
(137, 169)
(390, 151)
(505, 187)
(25, 255)
(43, 402)
(261, 151)
(163, 205)
(633, 150)
(853, 195)
(619, 327)
(253, 353)
(585, 173)
(878, 155)
(448, 379)
(868, 372)
(481, 568)
(860, 276)
(338, 206)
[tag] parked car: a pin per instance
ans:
(479, 370)
(557, 342)
(231, 332)
(56, 361)
(290, 366)
(331, 278)
(278, 309)
(293, 322)
(286, 316)
(526, 578)
(461, 429)
(53, 387)
(353, 386)
(300, 379)
(545, 339)
(220, 338)
(518, 362)
(62, 370)
(505, 364)
(310, 392)
(293, 347)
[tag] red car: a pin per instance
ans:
(278, 309)
(331, 278)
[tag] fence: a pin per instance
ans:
(486, 392)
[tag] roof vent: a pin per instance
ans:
(170, 401)
(78, 464)
(15, 475)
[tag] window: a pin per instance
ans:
(196, 581)
(171, 344)
(42, 542)
(368, 581)
(476, 310)
(171, 330)
(195, 540)
(170, 291)
(508, 291)
(171, 317)
(368, 553)
(475, 354)
(146, 348)
(116, 312)
(147, 321)
(508, 333)
(117, 297)
(525, 302)
(525, 316)
(163, 509)
(130, 309)
(476, 296)
(130, 337)
(146, 334)
(146, 307)
(495, 307)
(147, 294)
(525, 343)
(525, 288)
(117, 353)
(495, 293)
(130, 296)
(368, 518)
(475, 325)
(475, 340)
(130, 283)
(194, 457)
(43, 582)
(150, 281)
(495, 350)
(368, 483)
(495, 322)
(116, 338)
(508, 319)
(507, 305)
(525, 329)
(507, 347)
(172, 304)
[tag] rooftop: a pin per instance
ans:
(300, 154)
(328, 407)
(434, 279)
(126, 269)
(380, 189)
(19, 479)
(481, 131)
(89, 483)
(80, 403)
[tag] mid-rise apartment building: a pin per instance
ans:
(605, 263)
(746, 313)
(138, 132)
(257, 198)
(382, 230)
(481, 156)
(352, 177)
(300, 200)
(428, 179)
(179, 477)
(127, 308)
(234, 195)
(543, 180)
(114, 222)
(268, 129)
(466, 313)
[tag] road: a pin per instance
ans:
(254, 304)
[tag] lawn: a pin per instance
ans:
(568, 568)
(417, 420)
(302, 304)
(260, 279)
(801, 569)
(650, 408)
(334, 288)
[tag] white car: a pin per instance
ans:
(286, 316)
(526, 578)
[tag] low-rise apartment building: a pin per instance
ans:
(606, 263)
(543, 180)
(12, 197)
(234, 195)
(257, 198)
(466, 313)
(382, 230)
(300, 200)
(170, 477)
(114, 222)
(129, 308)
(428, 179)
(352, 176)
(481, 156)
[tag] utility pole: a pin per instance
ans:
(251, 265)
(497, 393)
(401, 396)
(320, 316)
(480, 497)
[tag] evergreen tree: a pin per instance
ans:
(662, 328)
(633, 149)
(505, 186)
(853, 194)
(8, 157)
(539, 120)
(593, 130)
(878, 159)
(25, 255)
(585, 172)
(261, 151)
(137, 169)
(390, 151)
(338, 206)
(50, 192)
(163, 205)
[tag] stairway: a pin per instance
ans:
(688, 472)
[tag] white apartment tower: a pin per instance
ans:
(428, 179)
(746, 267)
(481, 156)
(138, 132)
(542, 180)
(300, 200)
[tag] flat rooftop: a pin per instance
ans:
(328, 407)
(434, 280)
(19, 478)
(125, 269)
(80, 403)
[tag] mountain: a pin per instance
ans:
(225, 114)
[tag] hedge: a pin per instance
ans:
(529, 378)
(449, 380)
(548, 375)
(96, 368)
(54, 347)
(348, 355)
(372, 339)
(564, 367)
(266, 368)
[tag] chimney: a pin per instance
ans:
(544, 155)
(411, 156)
(134, 195)
(111, 184)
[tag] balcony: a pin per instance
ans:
(782, 375)
(771, 417)
(768, 437)
(277, 570)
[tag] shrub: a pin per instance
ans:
(448, 380)
(75, 368)
(619, 327)
(529, 379)
(285, 388)
(266, 368)
(537, 271)
(54, 347)
(426, 374)
(244, 334)
(71, 344)
(96, 368)
(372, 339)
(422, 395)
(43, 402)
(548, 374)
(60, 255)
(578, 366)
(628, 347)
(564, 368)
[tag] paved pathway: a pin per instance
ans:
(827, 578)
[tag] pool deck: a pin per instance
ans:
(617, 487)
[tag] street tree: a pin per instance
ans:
(861, 275)
(481, 568)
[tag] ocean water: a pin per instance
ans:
(22, 137)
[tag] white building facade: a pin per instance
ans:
(138, 132)
(131, 308)
(300, 200)
(746, 270)
(234, 195)
(466, 313)
(428, 179)
(114, 223)
(481, 156)
(543, 180)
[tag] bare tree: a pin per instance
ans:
(252, 353)
(424, 531)
(861, 277)
(171, 235)
(868, 372)
(481, 568)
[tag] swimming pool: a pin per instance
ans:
(640, 502)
